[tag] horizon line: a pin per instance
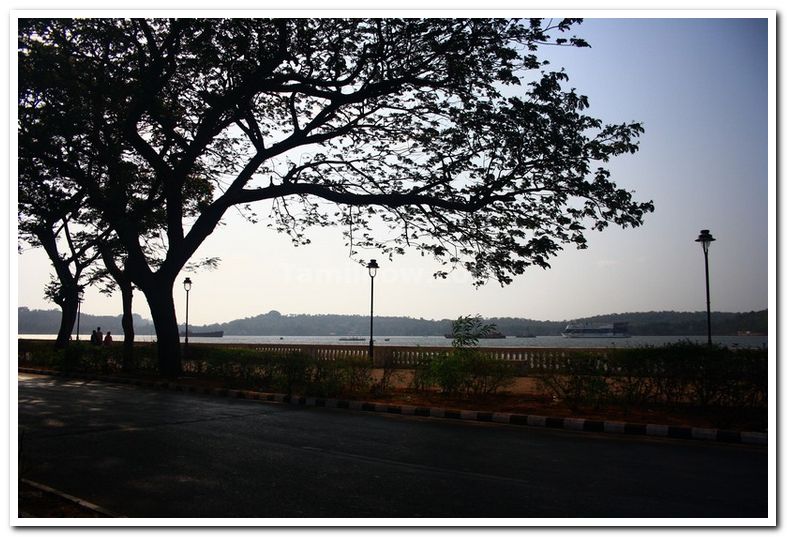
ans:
(150, 321)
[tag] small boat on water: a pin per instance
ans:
(217, 333)
(352, 339)
(491, 335)
(596, 330)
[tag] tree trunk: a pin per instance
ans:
(68, 317)
(127, 296)
(67, 296)
(127, 293)
(162, 308)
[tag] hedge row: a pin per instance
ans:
(681, 373)
(293, 372)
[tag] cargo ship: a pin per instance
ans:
(217, 333)
(598, 330)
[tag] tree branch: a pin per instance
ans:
(392, 200)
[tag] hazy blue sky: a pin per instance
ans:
(700, 88)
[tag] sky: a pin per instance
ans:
(699, 86)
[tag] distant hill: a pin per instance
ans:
(273, 323)
(48, 322)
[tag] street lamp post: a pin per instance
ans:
(187, 287)
(372, 266)
(705, 239)
(80, 296)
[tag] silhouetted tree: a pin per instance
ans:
(111, 276)
(449, 132)
(53, 214)
(50, 218)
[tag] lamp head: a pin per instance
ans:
(705, 238)
(373, 266)
(187, 284)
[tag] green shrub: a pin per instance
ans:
(40, 353)
(422, 375)
(70, 358)
(486, 375)
(293, 372)
(144, 358)
(289, 372)
(753, 382)
(240, 366)
(690, 373)
(348, 375)
(389, 375)
(580, 381)
(466, 331)
(328, 380)
(357, 374)
(81, 356)
(448, 372)
(465, 370)
(631, 378)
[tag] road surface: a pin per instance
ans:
(145, 453)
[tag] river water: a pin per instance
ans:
(440, 341)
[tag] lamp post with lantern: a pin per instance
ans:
(80, 297)
(705, 238)
(372, 266)
(187, 287)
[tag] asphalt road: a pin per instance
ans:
(147, 453)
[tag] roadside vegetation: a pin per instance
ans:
(713, 385)
(465, 370)
(680, 373)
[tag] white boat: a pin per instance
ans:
(606, 330)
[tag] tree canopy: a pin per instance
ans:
(451, 133)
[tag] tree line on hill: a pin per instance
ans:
(273, 323)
